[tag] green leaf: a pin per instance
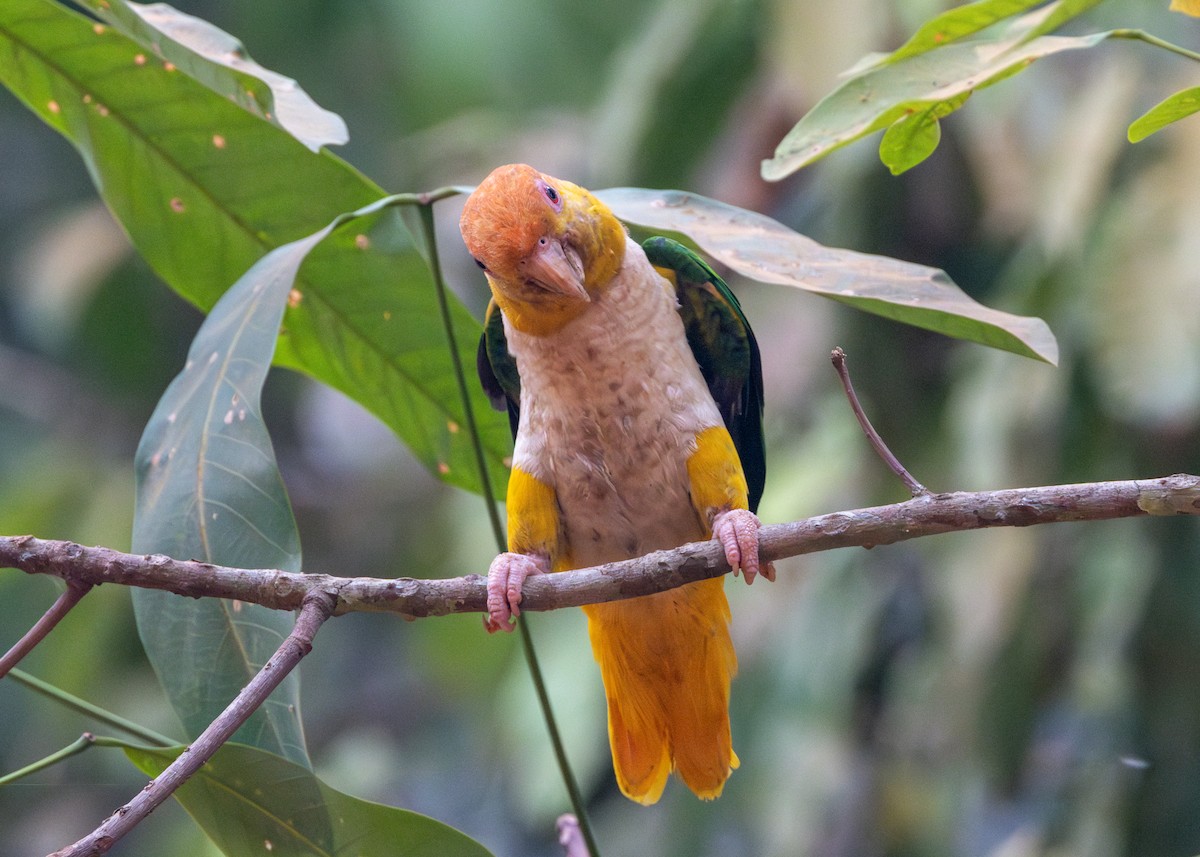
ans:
(208, 488)
(253, 803)
(1171, 109)
(221, 62)
(933, 83)
(765, 250)
(955, 24)
(912, 139)
(204, 187)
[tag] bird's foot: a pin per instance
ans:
(737, 531)
(505, 578)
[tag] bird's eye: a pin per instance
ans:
(552, 195)
(482, 266)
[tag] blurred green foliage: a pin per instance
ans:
(1016, 692)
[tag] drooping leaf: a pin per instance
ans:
(204, 187)
(252, 803)
(209, 488)
(928, 84)
(765, 250)
(219, 61)
(1178, 106)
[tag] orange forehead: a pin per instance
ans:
(506, 215)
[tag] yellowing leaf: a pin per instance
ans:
(1187, 7)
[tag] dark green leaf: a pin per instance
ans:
(1178, 106)
(253, 803)
(763, 249)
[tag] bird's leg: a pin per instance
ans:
(737, 531)
(505, 578)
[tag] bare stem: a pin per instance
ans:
(318, 606)
(61, 607)
(839, 363)
(927, 515)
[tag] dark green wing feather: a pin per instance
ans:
(725, 349)
(497, 368)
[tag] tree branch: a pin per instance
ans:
(921, 516)
(70, 596)
(317, 607)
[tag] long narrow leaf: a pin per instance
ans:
(763, 249)
(209, 488)
(1178, 106)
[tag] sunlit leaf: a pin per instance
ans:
(253, 803)
(209, 489)
(204, 187)
(219, 61)
(763, 249)
(1178, 106)
(929, 84)
(955, 24)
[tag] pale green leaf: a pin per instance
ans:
(881, 96)
(1178, 106)
(209, 488)
(765, 250)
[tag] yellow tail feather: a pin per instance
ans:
(667, 662)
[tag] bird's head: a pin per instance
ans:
(548, 246)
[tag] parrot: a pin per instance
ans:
(633, 386)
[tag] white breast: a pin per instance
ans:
(610, 408)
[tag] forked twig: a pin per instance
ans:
(318, 606)
(838, 356)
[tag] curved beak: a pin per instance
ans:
(556, 268)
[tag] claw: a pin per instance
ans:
(737, 531)
(506, 576)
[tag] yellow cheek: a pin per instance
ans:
(715, 473)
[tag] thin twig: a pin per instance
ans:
(61, 607)
(83, 742)
(922, 516)
(318, 606)
(838, 356)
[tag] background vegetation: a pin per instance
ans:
(1008, 692)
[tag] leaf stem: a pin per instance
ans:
(83, 742)
(1142, 35)
(87, 708)
(531, 659)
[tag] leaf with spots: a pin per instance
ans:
(208, 488)
(254, 803)
(763, 249)
(205, 186)
(219, 61)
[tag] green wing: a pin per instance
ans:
(725, 349)
(717, 331)
(497, 369)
